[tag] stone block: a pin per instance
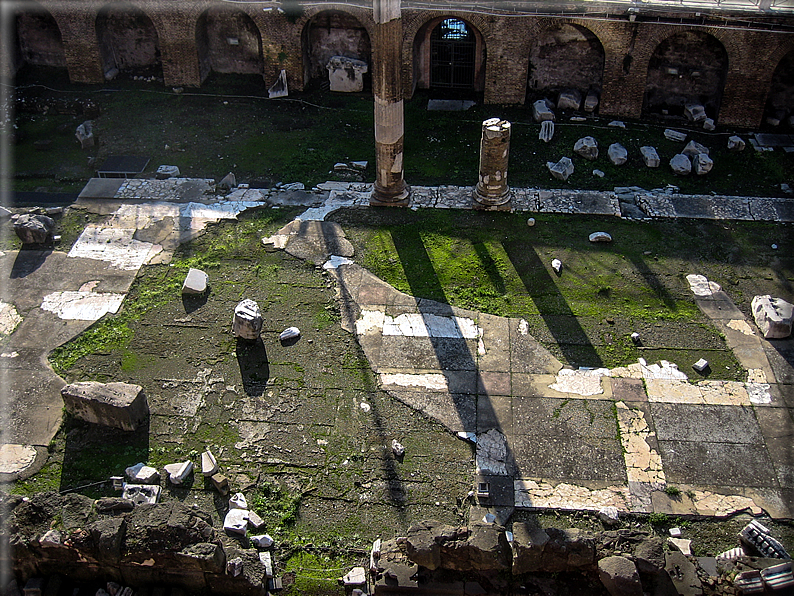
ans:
(735, 143)
(195, 282)
(546, 131)
(587, 147)
(674, 135)
(236, 521)
(34, 229)
(208, 464)
(695, 112)
(618, 154)
(541, 111)
(681, 165)
(693, 148)
(590, 102)
(619, 576)
(85, 134)
(165, 172)
(650, 156)
(773, 316)
(346, 75)
(562, 169)
(702, 164)
(179, 472)
(247, 320)
(708, 124)
(570, 99)
(118, 405)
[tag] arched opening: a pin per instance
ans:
(37, 38)
(780, 103)
(449, 57)
(228, 41)
(128, 42)
(689, 67)
(333, 33)
(565, 57)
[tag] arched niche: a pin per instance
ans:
(688, 67)
(780, 102)
(565, 56)
(128, 41)
(333, 33)
(37, 37)
(449, 56)
(228, 41)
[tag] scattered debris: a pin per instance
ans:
(600, 237)
(234, 567)
(701, 365)
(599, 173)
(208, 464)
(708, 124)
(141, 493)
(695, 112)
(635, 337)
(735, 143)
(590, 102)
(681, 165)
(178, 473)
(397, 448)
(289, 333)
(247, 320)
(142, 473)
(561, 170)
(569, 99)
(227, 183)
(541, 111)
(617, 124)
(531, 222)
(280, 87)
(681, 544)
(85, 134)
(650, 156)
(195, 282)
(674, 135)
(34, 229)
(694, 148)
(165, 172)
(355, 577)
(556, 264)
(778, 577)
(236, 521)
(587, 147)
(546, 131)
(773, 316)
(675, 532)
(618, 154)
(117, 405)
(221, 483)
(758, 537)
(238, 501)
(702, 164)
(262, 541)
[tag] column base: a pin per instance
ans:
(380, 199)
(485, 203)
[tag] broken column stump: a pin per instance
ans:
(492, 191)
(118, 405)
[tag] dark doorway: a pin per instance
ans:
(452, 55)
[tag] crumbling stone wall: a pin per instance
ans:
(167, 544)
(565, 56)
(689, 67)
(127, 38)
(333, 33)
(228, 41)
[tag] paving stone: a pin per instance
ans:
(495, 412)
(724, 464)
(570, 458)
(703, 423)
(628, 390)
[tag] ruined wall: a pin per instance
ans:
(228, 40)
(565, 56)
(689, 67)
(731, 69)
(333, 33)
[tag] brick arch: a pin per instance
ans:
(130, 52)
(228, 40)
(669, 87)
(416, 47)
(582, 72)
(780, 81)
(317, 47)
(37, 36)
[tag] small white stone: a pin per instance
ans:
(675, 532)
(397, 448)
(236, 521)
(289, 333)
(238, 501)
(365, 406)
(701, 365)
(262, 541)
(531, 222)
(556, 264)
(635, 337)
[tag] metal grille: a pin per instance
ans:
(452, 53)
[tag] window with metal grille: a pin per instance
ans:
(452, 52)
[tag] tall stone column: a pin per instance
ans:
(390, 187)
(492, 191)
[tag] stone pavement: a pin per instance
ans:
(546, 436)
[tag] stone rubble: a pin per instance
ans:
(118, 405)
(674, 135)
(179, 472)
(247, 322)
(195, 282)
(681, 165)
(541, 111)
(561, 170)
(209, 466)
(702, 164)
(34, 229)
(587, 147)
(773, 316)
(650, 157)
(618, 154)
(570, 99)
(546, 133)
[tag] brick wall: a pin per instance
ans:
(505, 44)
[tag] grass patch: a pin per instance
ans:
(230, 124)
